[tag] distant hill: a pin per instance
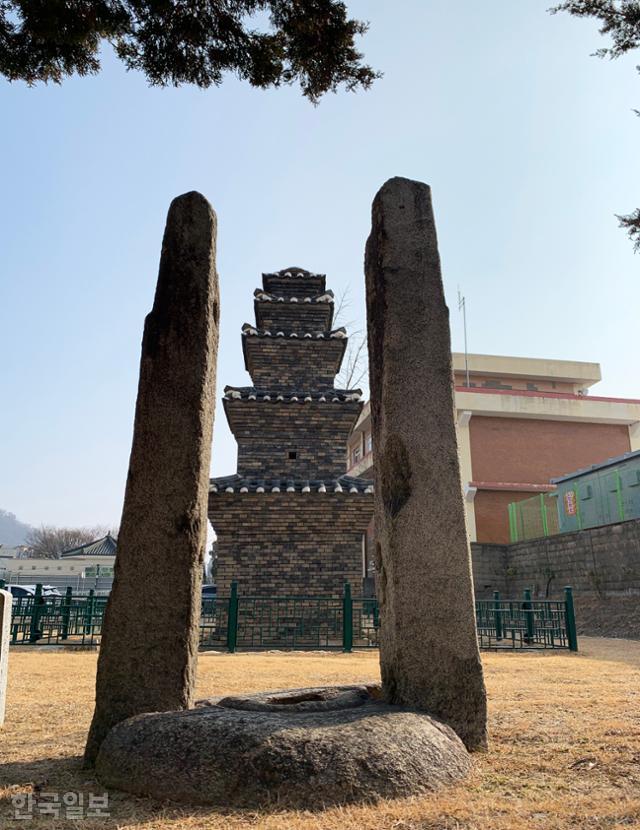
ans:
(12, 531)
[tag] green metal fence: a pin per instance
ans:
(45, 620)
(534, 517)
(527, 623)
(296, 622)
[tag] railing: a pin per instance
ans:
(296, 622)
(534, 518)
(527, 623)
(49, 620)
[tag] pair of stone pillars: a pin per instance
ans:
(429, 653)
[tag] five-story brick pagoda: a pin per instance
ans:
(290, 521)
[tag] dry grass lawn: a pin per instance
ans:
(565, 743)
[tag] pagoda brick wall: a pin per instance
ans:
(290, 521)
(275, 317)
(319, 442)
(295, 545)
(301, 362)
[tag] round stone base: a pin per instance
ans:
(305, 748)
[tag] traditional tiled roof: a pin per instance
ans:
(250, 393)
(294, 271)
(240, 484)
(265, 297)
(337, 334)
(101, 547)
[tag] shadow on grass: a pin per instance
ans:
(61, 775)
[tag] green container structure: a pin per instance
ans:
(600, 495)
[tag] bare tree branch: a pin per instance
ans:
(354, 367)
(355, 364)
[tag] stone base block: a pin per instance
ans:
(304, 748)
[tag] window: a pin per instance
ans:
(356, 455)
(586, 492)
(368, 442)
(292, 455)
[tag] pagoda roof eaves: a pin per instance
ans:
(251, 393)
(263, 296)
(348, 485)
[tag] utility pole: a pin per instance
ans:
(462, 306)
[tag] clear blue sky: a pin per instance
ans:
(530, 146)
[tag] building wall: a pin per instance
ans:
(490, 564)
(290, 543)
(70, 565)
(533, 451)
(521, 422)
(286, 317)
(302, 363)
(509, 369)
(518, 450)
(491, 513)
(512, 450)
(463, 436)
(268, 432)
(535, 385)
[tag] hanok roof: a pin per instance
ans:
(336, 334)
(241, 484)
(266, 297)
(294, 282)
(101, 547)
(252, 393)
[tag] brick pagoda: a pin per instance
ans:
(290, 521)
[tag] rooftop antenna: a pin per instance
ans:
(462, 306)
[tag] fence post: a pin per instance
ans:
(232, 619)
(543, 515)
(66, 613)
(88, 614)
(527, 607)
(347, 618)
(570, 619)
(376, 614)
(498, 614)
(513, 522)
(34, 628)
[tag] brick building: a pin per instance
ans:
(290, 521)
(521, 422)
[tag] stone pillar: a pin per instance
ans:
(428, 652)
(150, 636)
(5, 635)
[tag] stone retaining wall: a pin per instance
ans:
(602, 564)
